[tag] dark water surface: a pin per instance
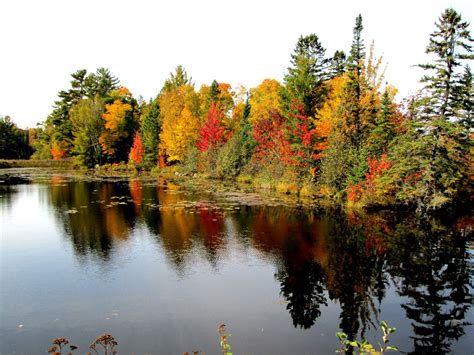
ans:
(160, 267)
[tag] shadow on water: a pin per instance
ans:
(319, 257)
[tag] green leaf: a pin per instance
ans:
(394, 348)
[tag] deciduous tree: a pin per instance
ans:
(212, 134)
(88, 125)
(265, 98)
(117, 117)
(179, 111)
(137, 151)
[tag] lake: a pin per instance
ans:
(160, 266)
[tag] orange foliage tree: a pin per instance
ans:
(57, 152)
(368, 187)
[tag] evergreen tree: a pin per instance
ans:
(337, 64)
(433, 158)
(177, 79)
(450, 44)
(14, 142)
(357, 53)
(103, 82)
(78, 86)
(353, 88)
(58, 122)
(151, 129)
(238, 150)
(466, 95)
(306, 75)
(214, 92)
(383, 132)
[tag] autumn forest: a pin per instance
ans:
(333, 129)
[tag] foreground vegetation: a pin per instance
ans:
(332, 129)
(108, 343)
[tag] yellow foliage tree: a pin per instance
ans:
(115, 122)
(235, 120)
(264, 98)
(179, 109)
(329, 114)
(332, 114)
(224, 99)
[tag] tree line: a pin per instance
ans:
(14, 141)
(332, 128)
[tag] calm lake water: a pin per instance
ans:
(160, 267)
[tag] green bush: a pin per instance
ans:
(235, 154)
(191, 161)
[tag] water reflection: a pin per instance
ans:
(356, 278)
(93, 214)
(319, 257)
(434, 271)
(8, 189)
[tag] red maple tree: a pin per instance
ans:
(270, 136)
(212, 134)
(136, 153)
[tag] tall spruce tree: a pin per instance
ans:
(357, 52)
(431, 161)
(306, 75)
(466, 96)
(354, 85)
(450, 44)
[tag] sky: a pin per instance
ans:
(238, 42)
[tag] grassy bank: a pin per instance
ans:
(281, 189)
(9, 164)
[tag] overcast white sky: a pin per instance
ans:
(239, 42)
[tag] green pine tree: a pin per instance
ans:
(151, 129)
(383, 132)
(337, 64)
(306, 75)
(450, 46)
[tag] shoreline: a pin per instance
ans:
(288, 192)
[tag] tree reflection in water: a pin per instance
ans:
(318, 256)
(93, 214)
(432, 265)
